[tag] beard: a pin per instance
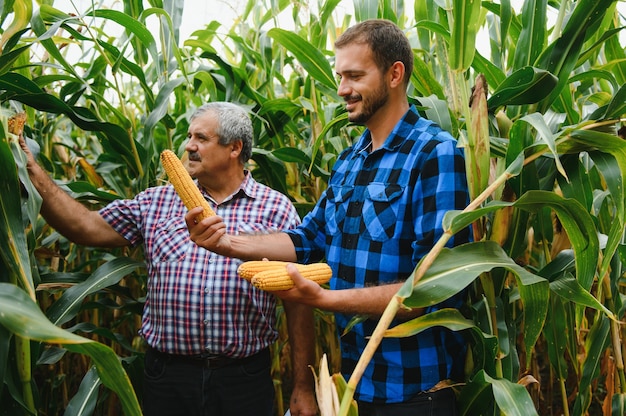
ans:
(369, 105)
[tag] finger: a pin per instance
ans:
(293, 272)
(191, 218)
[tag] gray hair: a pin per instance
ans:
(233, 123)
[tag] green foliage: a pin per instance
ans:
(104, 96)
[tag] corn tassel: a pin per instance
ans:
(248, 269)
(278, 278)
(184, 185)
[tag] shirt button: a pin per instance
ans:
(206, 321)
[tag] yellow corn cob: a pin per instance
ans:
(16, 123)
(278, 279)
(184, 185)
(248, 269)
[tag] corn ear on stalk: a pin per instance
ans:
(249, 269)
(278, 278)
(184, 185)
(16, 123)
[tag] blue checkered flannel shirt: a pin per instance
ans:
(381, 213)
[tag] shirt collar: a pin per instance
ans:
(248, 187)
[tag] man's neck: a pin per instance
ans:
(225, 186)
(383, 122)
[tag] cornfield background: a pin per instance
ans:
(544, 139)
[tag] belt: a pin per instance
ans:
(210, 361)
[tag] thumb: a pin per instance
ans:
(294, 273)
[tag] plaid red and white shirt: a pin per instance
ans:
(196, 302)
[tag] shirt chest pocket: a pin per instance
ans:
(337, 198)
(171, 241)
(382, 210)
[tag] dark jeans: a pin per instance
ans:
(439, 403)
(183, 387)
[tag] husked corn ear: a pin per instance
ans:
(248, 269)
(278, 279)
(16, 123)
(183, 184)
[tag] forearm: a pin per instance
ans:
(370, 301)
(302, 340)
(300, 325)
(275, 246)
(69, 217)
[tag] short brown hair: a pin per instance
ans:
(387, 42)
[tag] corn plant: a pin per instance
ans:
(540, 118)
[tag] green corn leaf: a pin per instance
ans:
(45, 39)
(513, 399)
(106, 275)
(7, 60)
(527, 85)
(617, 58)
(596, 342)
(561, 56)
(84, 402)
(618, 404)
(22, 12)
(448, 318)
(424, 81)
(614, 169)
(545, 137)
(437, 111)
(13, 247)
(532, 38)
(20, 315)
(494, 75)
(569, 289)
(133, 26)
(463, 35)
(22, 89)
(365, 9)
(312, 60)
(617, 106)
(454, 269)
(578, 224)
(291, 154)
(557, 335)
(130, 68)
(476, 398)
(161, 107)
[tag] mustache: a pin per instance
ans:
(354, 97)
(194, 156)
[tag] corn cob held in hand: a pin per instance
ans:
(249, 269)
(184, 185)
(275, 277)
(16, 123)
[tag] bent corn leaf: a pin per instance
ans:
(313, 61)
(527, 85)
(21, 316)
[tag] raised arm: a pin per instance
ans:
(66, 215)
